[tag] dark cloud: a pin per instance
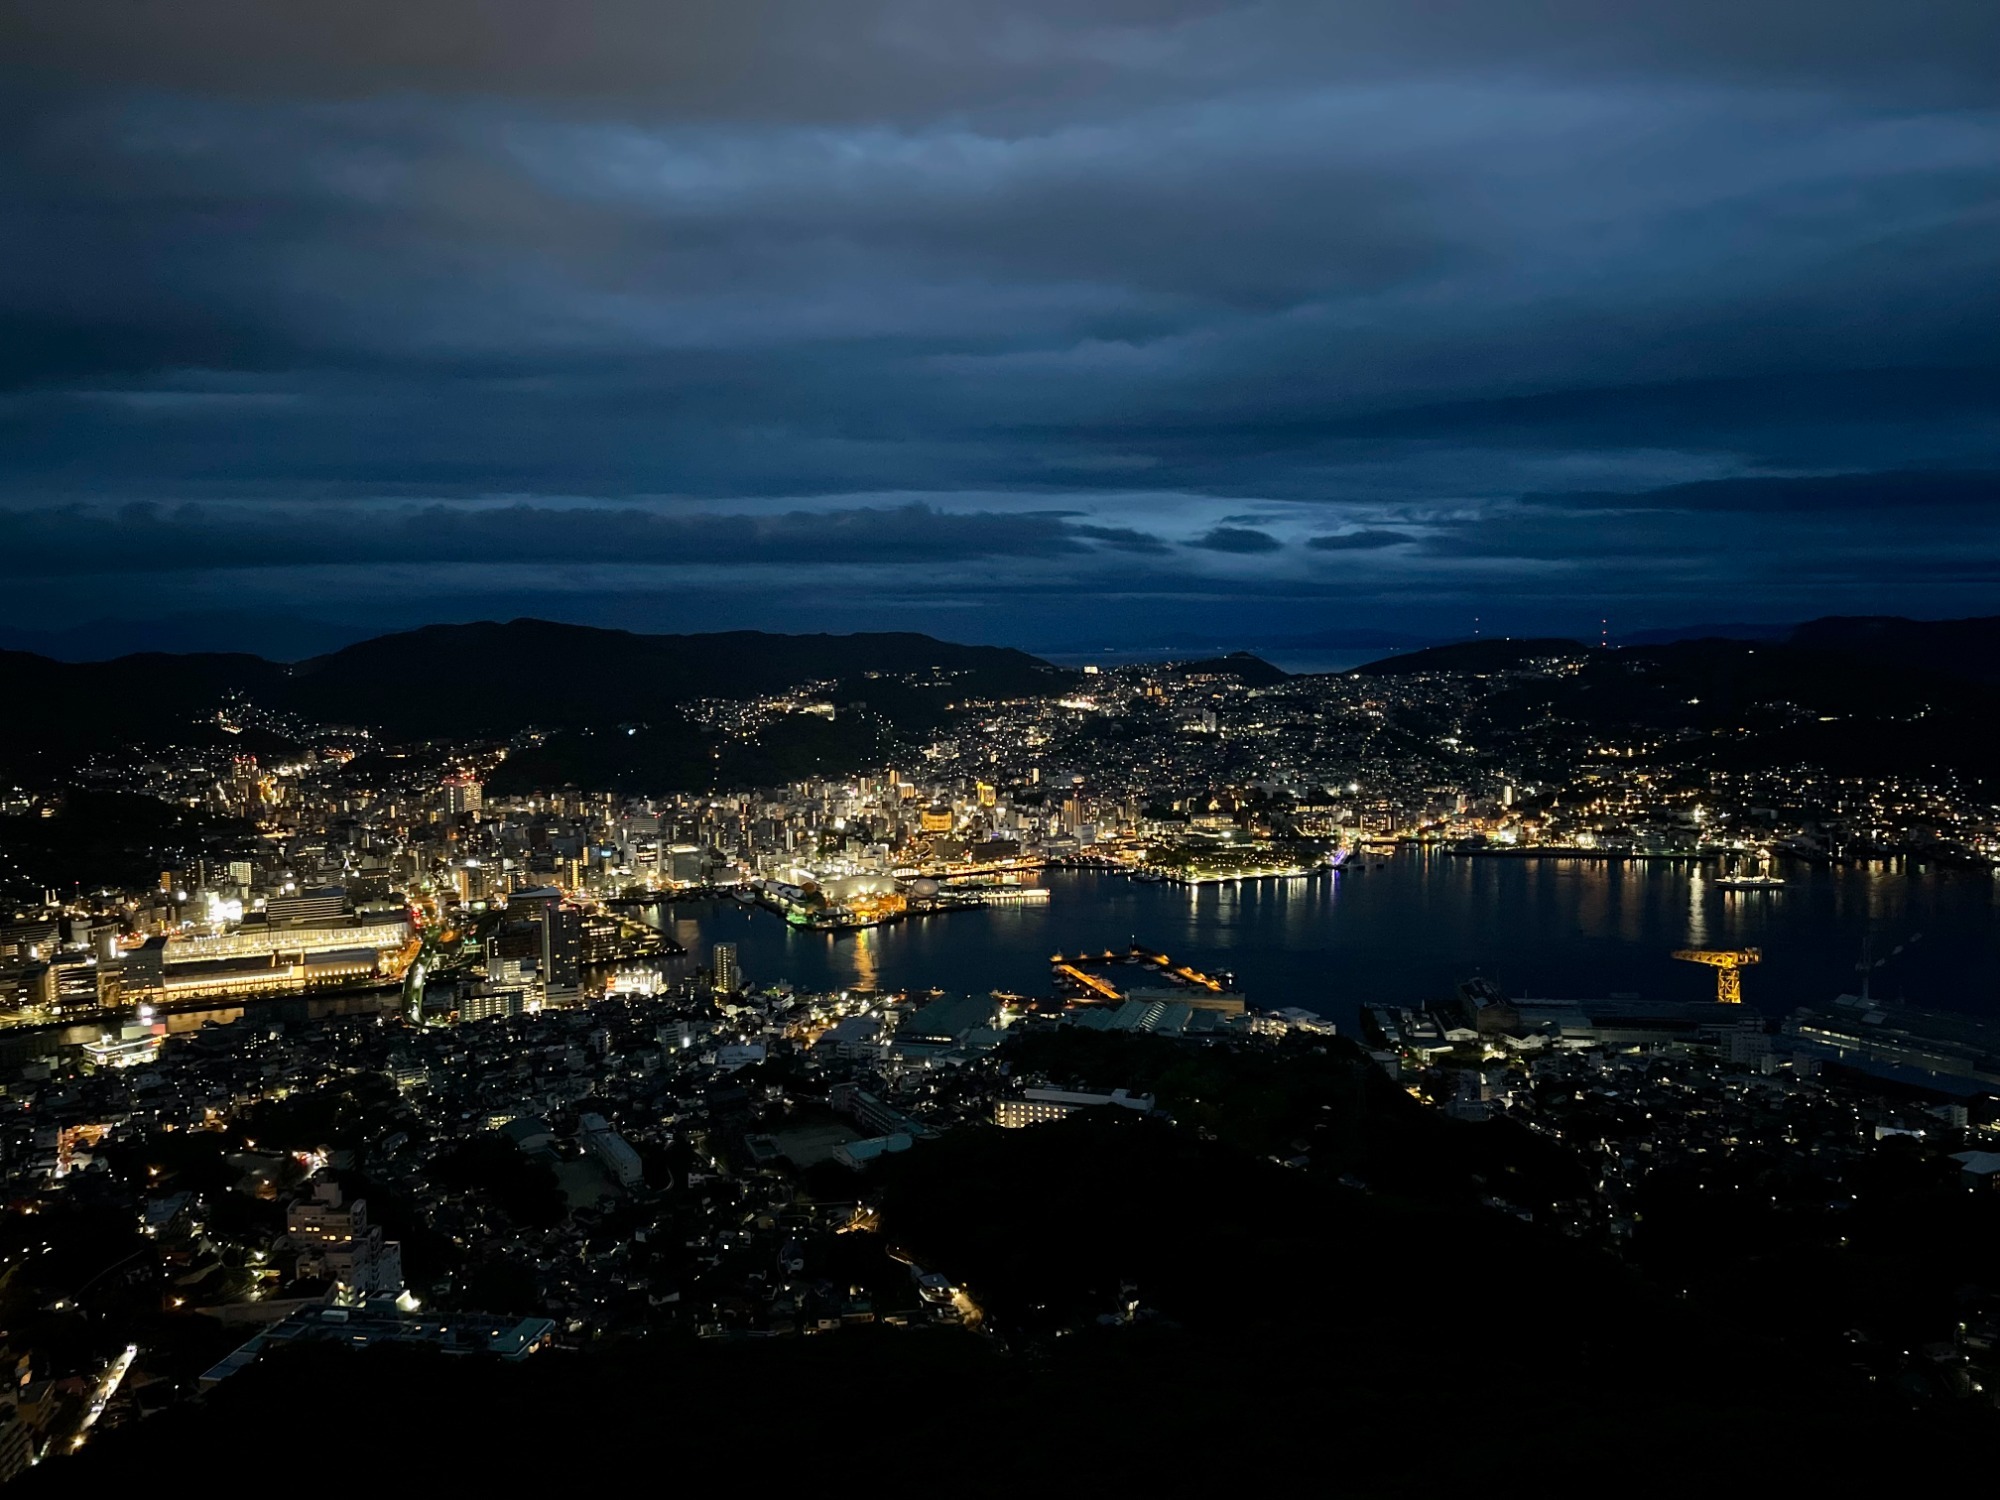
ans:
(1885, 494)
(708, 57)
(1120, 538)
(1632, 298)
(145, 538)
(1368, 539)
(1237, 539)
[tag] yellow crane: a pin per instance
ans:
(1728, 964)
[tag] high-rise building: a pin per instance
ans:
(475, 881)
(723, 961)
(548, 933)
(462, 795)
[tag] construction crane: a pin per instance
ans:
(1728, 964)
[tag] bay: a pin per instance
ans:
(1415, 928)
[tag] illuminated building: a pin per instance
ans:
(252, 961)
(723, 961)
(612, 1151)
(547, 934)
(133, 1045)
(335, 1242)
(462, 796)
(380, 1320)
(30, 987)
(29, 940)
(1038, 1106)
(307, 909)
(491, 1000)
(261, 940)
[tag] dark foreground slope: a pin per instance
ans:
(1146, 1410)
(1959, 648)
(1169, 1310)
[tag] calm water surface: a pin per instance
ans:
(1413, 930)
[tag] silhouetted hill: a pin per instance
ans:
(492, 678)
(59, 712)
(1740, 631)
(1744, 704)
(1473, 656)
(1962, 648)
(276, 637)
(94, 836)
(1865, 695)
(1248, 669)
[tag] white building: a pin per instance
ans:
(613, 1152)
(335, 1241)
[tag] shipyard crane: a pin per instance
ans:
(1728, 964)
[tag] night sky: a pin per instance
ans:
(1065, 323)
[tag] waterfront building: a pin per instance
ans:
(307, 909)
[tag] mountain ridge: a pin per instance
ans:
(485, 679)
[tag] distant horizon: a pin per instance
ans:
(288, 639)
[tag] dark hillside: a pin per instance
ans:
(494, 679)
(1959, 648)
(1473, 656)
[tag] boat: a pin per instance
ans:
(1760, 879)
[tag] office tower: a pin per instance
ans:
(462, 796)
(548, 934)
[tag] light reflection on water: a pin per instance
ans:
(1414, 929)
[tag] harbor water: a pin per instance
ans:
(1419, 924)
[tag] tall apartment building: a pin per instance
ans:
(462, 795)
(723, 961)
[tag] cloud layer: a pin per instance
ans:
(763, 313)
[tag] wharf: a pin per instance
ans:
(1942, 1048)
